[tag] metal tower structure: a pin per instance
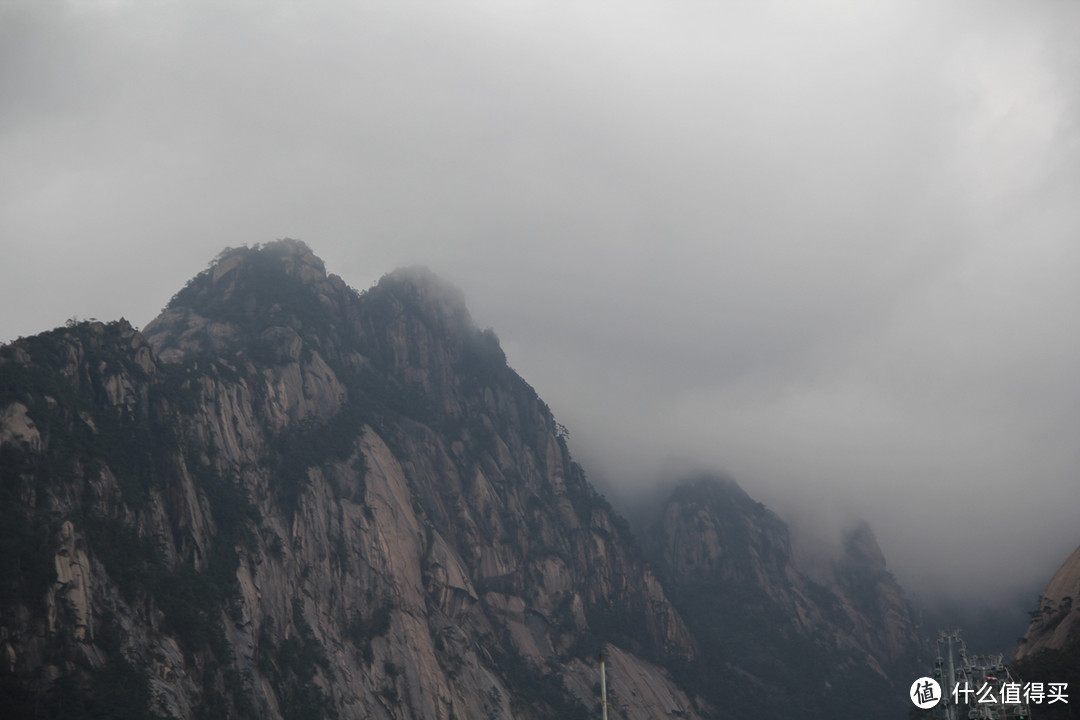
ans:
(975, 687)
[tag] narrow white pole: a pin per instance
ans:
(603, 688)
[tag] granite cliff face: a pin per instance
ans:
(285, 499)
(773, 637)
(1049, 652)
(1055, 624)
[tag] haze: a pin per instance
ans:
(830, 248)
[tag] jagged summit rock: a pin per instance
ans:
(861, 547)
(433, 296)
(294, 257)
(250, 298)
(244, 292)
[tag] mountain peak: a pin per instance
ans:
(244, 292)
(291, 257)
(419, 289)
(296, 259)
(861, 547)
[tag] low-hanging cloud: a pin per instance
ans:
(831, 249)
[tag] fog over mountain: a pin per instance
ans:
(829, 249)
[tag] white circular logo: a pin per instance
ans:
(925, 693)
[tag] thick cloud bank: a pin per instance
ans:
(828, 247)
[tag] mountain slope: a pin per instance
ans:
(286, 499)
(771, 638)
(1056, 622)
(1050, 649)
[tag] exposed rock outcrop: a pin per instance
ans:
(1055, 624)
(292, 500)
(778, 638)
(286, 499)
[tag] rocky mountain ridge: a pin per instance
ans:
(288, 499)
(323, 505)
(785, 639)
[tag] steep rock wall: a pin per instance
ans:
(296, 501)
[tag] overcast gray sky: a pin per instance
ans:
(830, 247)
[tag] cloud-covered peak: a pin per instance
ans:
(419, 289)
